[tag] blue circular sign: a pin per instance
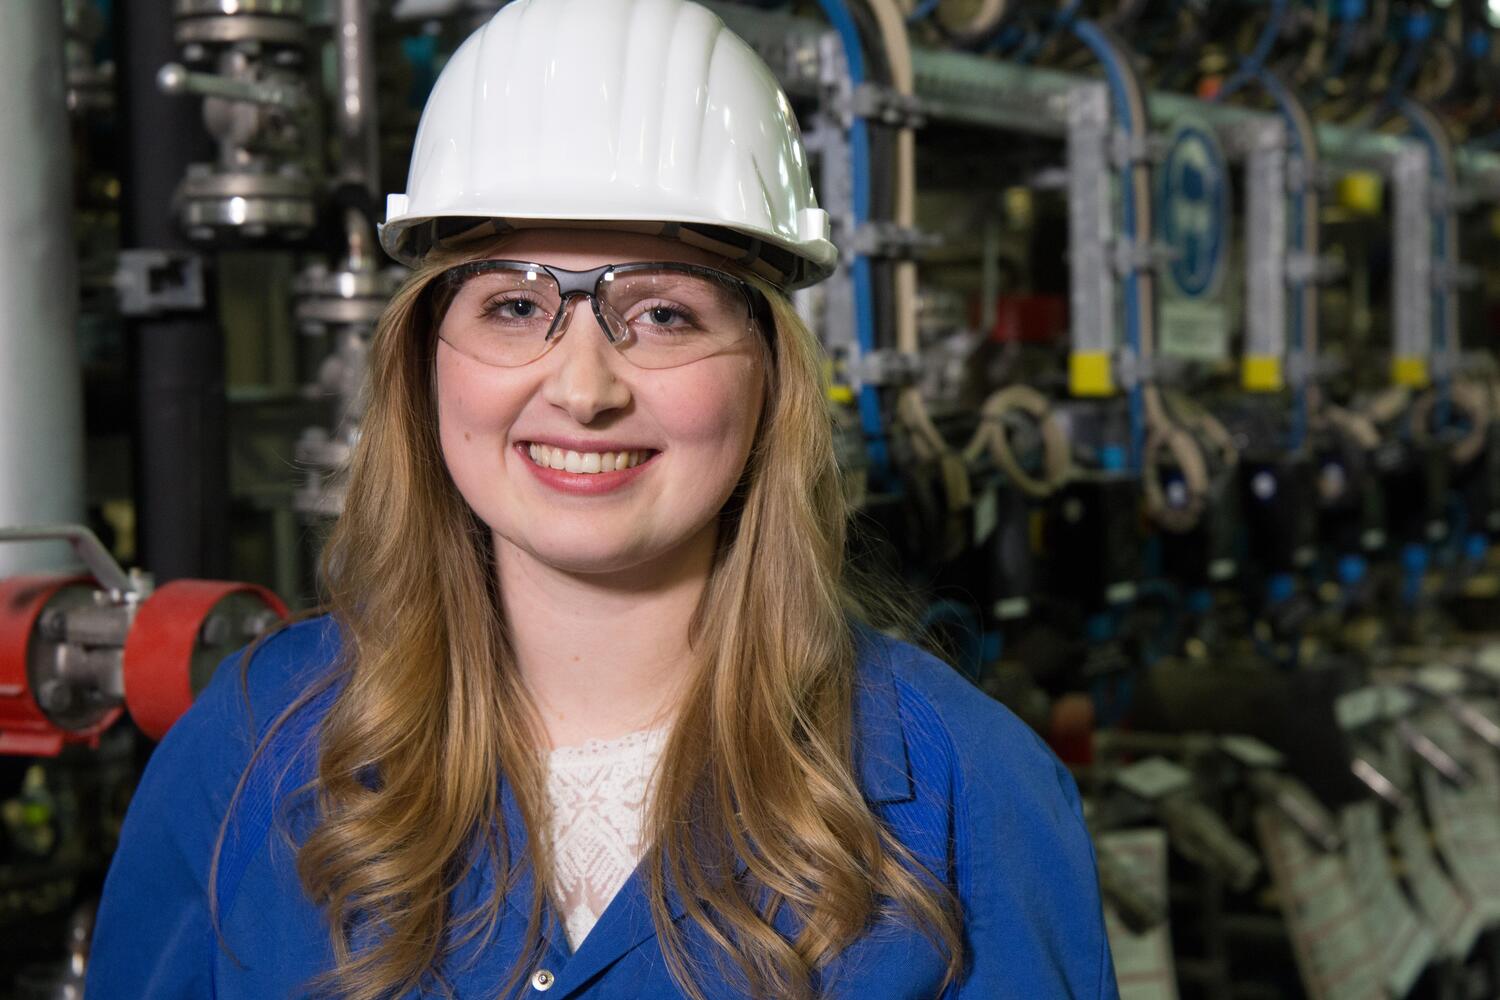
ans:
(1193, 209)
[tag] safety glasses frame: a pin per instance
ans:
(589, 283)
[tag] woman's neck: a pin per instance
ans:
(603, 654)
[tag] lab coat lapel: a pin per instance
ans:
(624, 925)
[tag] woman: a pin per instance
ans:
(594, 712)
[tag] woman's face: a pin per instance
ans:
(692, 424)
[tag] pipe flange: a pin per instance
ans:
(212, 206)
(323, 457)
(343, 297)
(318, 281)
(319, 312)
(237, 8)
(180, 634)
(41, 711)
(240, 29)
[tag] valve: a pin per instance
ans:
(78, 650)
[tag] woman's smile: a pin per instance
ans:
(585, 473)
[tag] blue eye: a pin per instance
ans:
(515, 309)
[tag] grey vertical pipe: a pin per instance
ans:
(41, 400)
(1412, 299)
(359, 150)
(1090, 223)
(1266, 242)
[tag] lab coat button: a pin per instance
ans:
(542, 980)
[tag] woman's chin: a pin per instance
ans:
(593, 556)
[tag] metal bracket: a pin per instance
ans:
(1244, 138)
(1298, 368)
(91, 552)
(884, 367)
(887, 239)
(1452, 198)
(1309, 269)
(150, 282)
(1126, 149)
(1454, 276)
(1130, 369)
(1131, 256)
(1301, 176)
(1443, 366)
(886, 105)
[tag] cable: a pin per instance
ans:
(864, 318)
(973, 27)
(991, 437)
(1153, 432)
(1056, 25)
(926, 440)
(1468, 398)
(1250, 67)
(922, 11)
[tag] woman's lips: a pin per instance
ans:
(582, 483)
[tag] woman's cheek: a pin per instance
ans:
(714, 416)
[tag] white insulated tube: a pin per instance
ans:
(41, 399)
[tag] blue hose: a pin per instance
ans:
(871, 418)
(922, 11)
(1056, 25)
(1250, 68)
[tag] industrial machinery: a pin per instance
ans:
(1162, 359)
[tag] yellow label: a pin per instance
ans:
(1089, 374)
(1361, 192)
(837, 392)
(1410, 372)
(1261, 373)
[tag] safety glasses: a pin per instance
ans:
(508, 313)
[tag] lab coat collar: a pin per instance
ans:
(884, 774)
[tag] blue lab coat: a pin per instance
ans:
(957, 777)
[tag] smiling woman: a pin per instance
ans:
(692, 415)
(596, 709)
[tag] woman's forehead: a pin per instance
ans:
(585, 249)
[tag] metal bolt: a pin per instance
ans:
(53, 624)
(215, 630)
(55, 696)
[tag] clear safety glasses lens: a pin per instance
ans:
(659, 316)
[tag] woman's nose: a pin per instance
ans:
(584, 366)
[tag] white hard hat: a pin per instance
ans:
(648, 115)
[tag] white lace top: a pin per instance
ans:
(599, 791)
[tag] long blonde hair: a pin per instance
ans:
(759, 763)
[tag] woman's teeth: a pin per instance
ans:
(588, 461)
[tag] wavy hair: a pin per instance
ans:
(758, 766)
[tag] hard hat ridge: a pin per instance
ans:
(648, 115)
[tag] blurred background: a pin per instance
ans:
(1162, 355)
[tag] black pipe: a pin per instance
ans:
(180, 441)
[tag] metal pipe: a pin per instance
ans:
(359, 152)
(359, 143)
(177, 358)
(90, 551)
(41, 400)
(175, 79)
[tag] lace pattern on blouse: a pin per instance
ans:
(598, 792)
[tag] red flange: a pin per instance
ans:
(25, 730)
(163, 640)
